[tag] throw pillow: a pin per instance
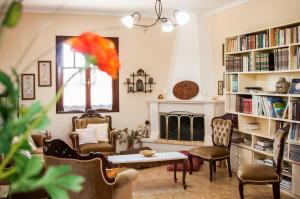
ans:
(87, 135)
(101, 131)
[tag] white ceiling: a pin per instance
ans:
(120, 7)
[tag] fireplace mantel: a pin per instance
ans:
(209, 108)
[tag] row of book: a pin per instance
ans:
(238, 63)
(232, 83)
(285, 36)
(295, 105)
(294, 132)
(244, 104)
(254, 41)
(297, 52)
(286, 183)
(269, 106)
(264, 62)
(295, 152)
(281, 59)
(232, 45)
(264, 145)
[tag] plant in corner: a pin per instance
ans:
(132, 137)
(25, 174)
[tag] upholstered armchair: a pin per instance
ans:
(258, 174)
(92, 167)
(105, 147)
(221, 138)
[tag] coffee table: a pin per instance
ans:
(158, 159)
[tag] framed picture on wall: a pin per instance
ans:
(220, 87)
(44, 74)
(28, 86)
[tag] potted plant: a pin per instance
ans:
(132, 137)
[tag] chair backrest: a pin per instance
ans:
(278, 147)
(92, 167)
(90, 117)
(221, 132)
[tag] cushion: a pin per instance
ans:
(210, 152)
(221, 131)
(101, 131)
(87, 135)
(196, 163)
(96, 147)
(257, 173)
(31, 143)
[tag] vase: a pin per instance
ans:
(282, 86)
(130, 145)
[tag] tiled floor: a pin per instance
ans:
(157, 183)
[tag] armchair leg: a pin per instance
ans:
(241, 189)
(211, 165)
(215, 166)
(276, 190)
(229, 167)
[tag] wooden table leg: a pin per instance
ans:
(175, 170)
(191, 163)
(184, 173)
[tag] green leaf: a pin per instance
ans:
(13, 14)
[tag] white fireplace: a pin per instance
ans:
(208, 108)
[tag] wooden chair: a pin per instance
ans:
(92, 167)
(258, 174)
(221, 138)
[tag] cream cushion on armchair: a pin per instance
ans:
(101, 131)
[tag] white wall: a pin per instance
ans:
(150, 51)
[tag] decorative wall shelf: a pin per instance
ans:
(139, 82)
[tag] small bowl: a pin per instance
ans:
(148, 153)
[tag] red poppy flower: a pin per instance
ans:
(98, 50)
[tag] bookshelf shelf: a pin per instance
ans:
(260, 59)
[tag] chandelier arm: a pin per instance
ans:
(138, 14)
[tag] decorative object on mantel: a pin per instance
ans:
(220, 87)
(160, 96)
(28, 86)
(180, 18)
(282, 86)
(139, 82)
(295, 87)
(44, 74)
(186, 90)
(132, 137)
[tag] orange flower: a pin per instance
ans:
(99, 51)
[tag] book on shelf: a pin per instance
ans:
(232, 45)
(244, 104)
(281, 59)
(265, 143)
(286, 183)
(297, 55)
(295, 105)
(264, 62)
(240, 63)
(267, 149)
(254, 41)
(285, 36)
(274, 107)
(280, 124)
(294, 132)
(232, 83)
(294, 152)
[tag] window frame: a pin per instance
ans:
(59, 80)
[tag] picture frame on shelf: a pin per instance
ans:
(44, 74)
(28, 86)
(295, 86)
(220, 87)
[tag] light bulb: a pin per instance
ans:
(167, 27)
(182, 17)
(128, 21)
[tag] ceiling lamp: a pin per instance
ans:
(180, 18)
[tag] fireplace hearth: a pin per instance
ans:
(182, 126)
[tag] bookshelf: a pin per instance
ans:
(259, 59)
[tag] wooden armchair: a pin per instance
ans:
(257, 174)
(91, 117)
(92, 167)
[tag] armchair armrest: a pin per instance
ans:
(75, 140)
(125, 177)
(38, 139)
(113, 139)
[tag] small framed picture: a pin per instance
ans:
(44, 74)
(28, 86)
(295, 86)
(223, 54)
(220, 87)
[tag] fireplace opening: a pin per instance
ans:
(182, 126)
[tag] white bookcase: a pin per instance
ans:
(242, 153)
